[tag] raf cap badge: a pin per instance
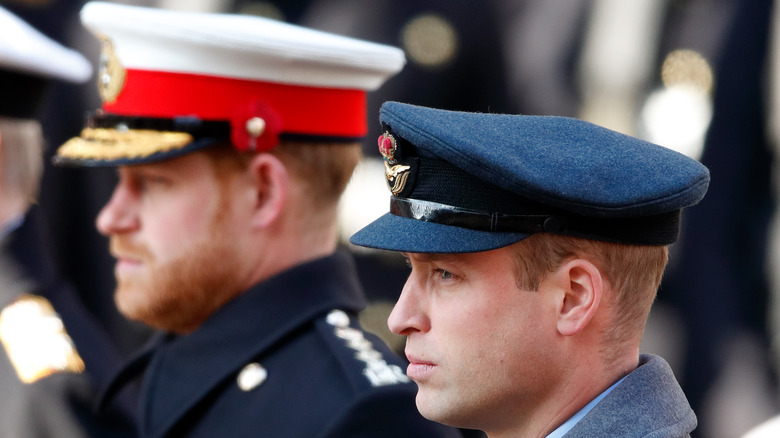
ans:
(395, 173)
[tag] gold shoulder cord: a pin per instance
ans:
(35, 339)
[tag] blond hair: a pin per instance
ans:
(632, 272)
(322, 169)
(21, 158)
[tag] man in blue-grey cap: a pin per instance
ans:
(536, 244)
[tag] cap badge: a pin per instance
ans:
(111, 74)
(396, 174)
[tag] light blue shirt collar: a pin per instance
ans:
(571, 422)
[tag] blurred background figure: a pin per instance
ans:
(54, 354)
(719, 283)
(694, 75)
(690, 75)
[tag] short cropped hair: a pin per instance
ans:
(21, 157)
(323, 169)
(632, 272)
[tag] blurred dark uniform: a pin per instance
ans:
(286, 358)
(54, 353)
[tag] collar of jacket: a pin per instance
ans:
(648, 403)
(246, 326)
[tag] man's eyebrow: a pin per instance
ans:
(425, 256)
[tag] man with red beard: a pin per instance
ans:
(234, 137)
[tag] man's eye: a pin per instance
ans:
(144, 182)
(444, 275)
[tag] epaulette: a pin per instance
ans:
(35, 339)
(375, 369)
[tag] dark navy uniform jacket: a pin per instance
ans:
(286, 358)
(61, 403)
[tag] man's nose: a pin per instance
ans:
(408, 314)
(119, 214)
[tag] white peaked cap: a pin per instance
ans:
(207, 77)
(240, 46)
(25, 50)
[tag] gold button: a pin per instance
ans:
(255, 127)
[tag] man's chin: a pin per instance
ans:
(130, 302)
(153, 310)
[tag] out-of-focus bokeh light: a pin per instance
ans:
(263, 9)
(430, 40)
(687, 67)
(678, 114)
(365, 199)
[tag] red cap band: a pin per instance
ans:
(302, 110)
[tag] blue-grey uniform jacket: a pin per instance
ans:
(286, 358)
(648, 403)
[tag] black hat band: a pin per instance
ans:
(441, 193)
(659, 229)
(428, 211)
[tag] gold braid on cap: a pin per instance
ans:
(112, 144)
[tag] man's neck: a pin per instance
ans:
(569, 396)
(287, 249)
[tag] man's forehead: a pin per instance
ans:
(183, 164)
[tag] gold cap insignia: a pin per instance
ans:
(396, 174)
(35, 339)
(111, 74)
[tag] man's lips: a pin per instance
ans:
(128, 253)
(124, 262)
(419, 369)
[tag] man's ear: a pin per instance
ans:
(270, 182)
(581, 286)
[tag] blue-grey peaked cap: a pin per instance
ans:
(468, 182)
